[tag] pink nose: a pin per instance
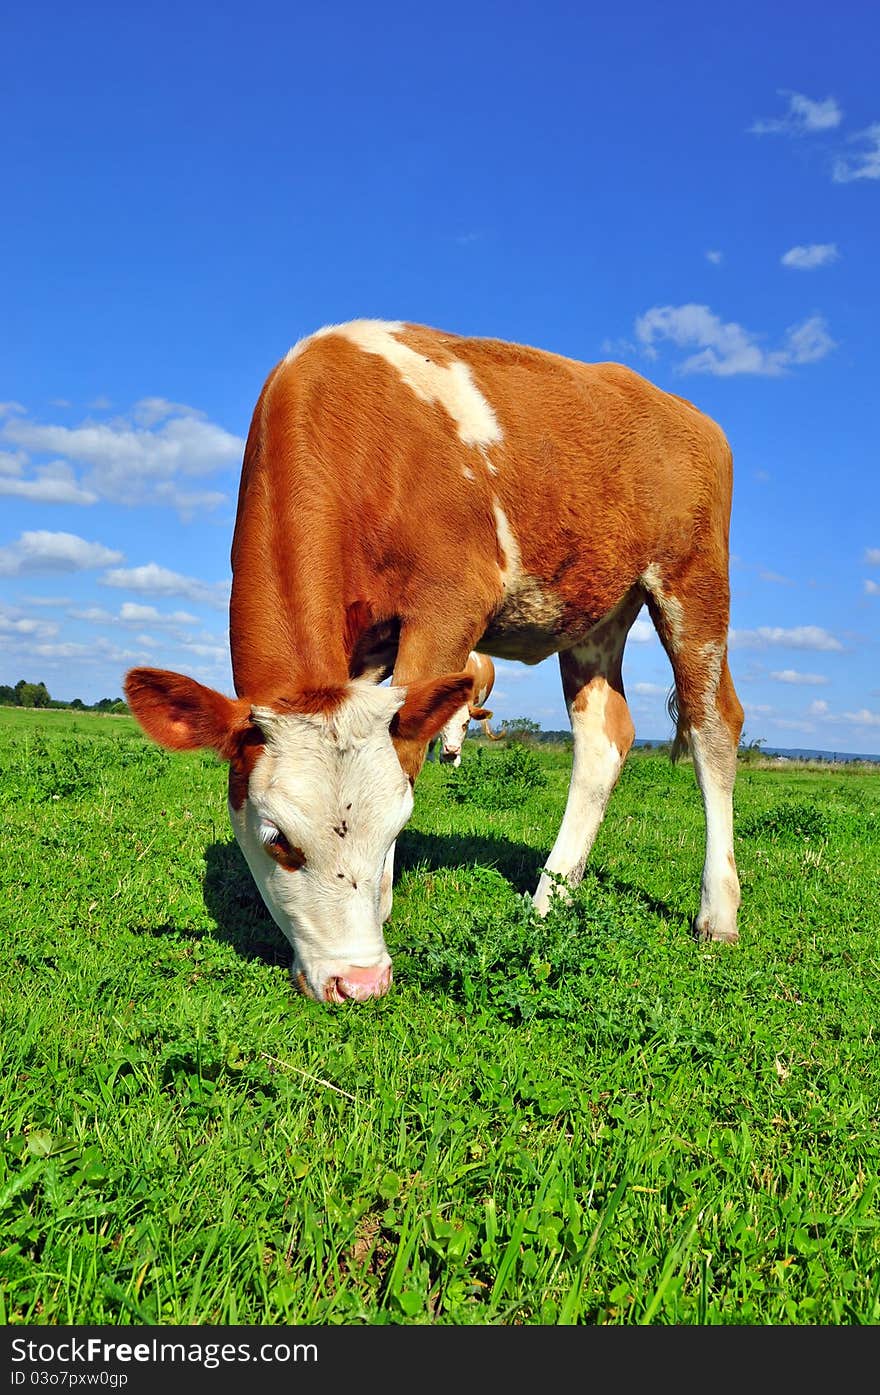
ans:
(357, 983)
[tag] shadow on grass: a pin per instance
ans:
(232, 898)
(651, 903)
(519, 863)
(242, 920)
(236, 905)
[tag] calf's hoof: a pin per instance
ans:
(715, 934)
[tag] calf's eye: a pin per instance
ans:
(282, 851)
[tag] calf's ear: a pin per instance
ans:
(429, 704)
(180, 713)
(479, 714)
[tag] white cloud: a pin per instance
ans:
(872, 588)
(218, 652)
(643, 632)
(128, 460)
(510, 673)
(865, 165)
(809, 257)
(12, 463)
(862, 718)
(791, 675)
(188, 501)
(42, 551)
(170, 634)
(648, 689)
(98, 651)
(716, 258)
(800, 637)
(804, 343)
(776, 577)
(187, 445)
(65, 650)
(13, 623)
(150, 410)
(131, 613)
(54, 483)
(94, 615)
(619, 350)
(159, 581)
(726, 349)
(66, 663)
(804, 116)
(7, 408)
(872, 556)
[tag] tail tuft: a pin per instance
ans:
(681, 743)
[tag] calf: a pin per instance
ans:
(574, 494)
(451, 738)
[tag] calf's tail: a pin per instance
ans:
(681, 742)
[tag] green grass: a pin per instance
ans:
(589, 1119)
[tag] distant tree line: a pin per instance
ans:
(528, 732)
(26, 694)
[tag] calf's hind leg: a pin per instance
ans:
(710, 719)
(713, 741)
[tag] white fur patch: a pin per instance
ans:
(713, 653)
(510, 568)
(367, 708)
(334, 787)
(715, 762)
(452, 735)
(670, 606)
(307, 339)
(452, 384)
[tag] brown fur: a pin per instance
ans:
(338, 538)
(429, 704)
(599, 474)
(614, 493)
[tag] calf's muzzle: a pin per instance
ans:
(357, 984)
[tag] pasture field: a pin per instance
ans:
(590, 1119)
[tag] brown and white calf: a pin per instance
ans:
(452, 735)
(573, 494)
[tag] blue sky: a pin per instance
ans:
(189, 189)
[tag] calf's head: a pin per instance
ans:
(317, 796)
(454, 731)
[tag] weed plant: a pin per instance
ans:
(503, 781)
